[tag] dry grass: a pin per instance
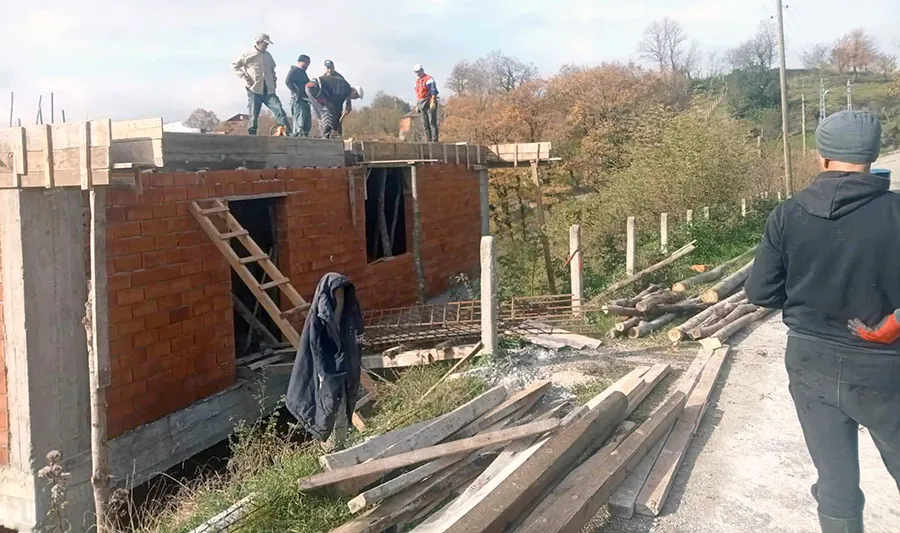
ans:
(268, 460)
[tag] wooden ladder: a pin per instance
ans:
(234, 230)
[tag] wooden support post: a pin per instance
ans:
(489, 302)
(706, 213)
(689, 216)
(417, 234)
(545, 243)
(779, 196)
(576, 273)
(484, 194)
(96, 326)
(743, 207)
(629, 248)
(664, 232)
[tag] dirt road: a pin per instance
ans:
(747, 469)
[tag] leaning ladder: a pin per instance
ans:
(234, 230)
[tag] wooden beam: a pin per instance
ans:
(602, 474)
(458, 364)
(387, 464)
(509, 502)
(621, 503)
(653, 496)
(368, 449)
(416, 357)
(438, 430)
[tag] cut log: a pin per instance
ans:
(612, 289)
(676, 334)
(687, 306)
(517, 493)
(582, 495)
(736, 313)
(711, 275)
(435, 432)
(624, 327)
(620, 311)
(387, 464)
(717, 340)
(646, 328)
(653, 495)
(665, 297)
(728, 285)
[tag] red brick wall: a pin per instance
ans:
(171, 326)
(4, 412)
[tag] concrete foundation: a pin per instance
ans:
(44, 290)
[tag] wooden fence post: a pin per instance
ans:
(689, 216)
(629, 248)
(539, 210)
(575, 269)
(706, 213)
(779, 196)
(743, 207)
(664, 232)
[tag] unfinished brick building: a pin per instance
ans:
(175, 334)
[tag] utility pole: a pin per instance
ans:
(803, 119)
(849, 94)
(782, 64)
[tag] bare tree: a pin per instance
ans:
(855, 52)
(495, 72)
(886, 65)
(664, 43)
(764, 44)
(715, 65)
(817, 57)
(202, 119)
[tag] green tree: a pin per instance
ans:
(751, 91)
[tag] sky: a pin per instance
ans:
(140, 59)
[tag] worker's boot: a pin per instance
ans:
(840, 525)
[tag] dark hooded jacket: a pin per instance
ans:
(829, 254)
(329, 359)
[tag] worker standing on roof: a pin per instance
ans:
(257, 68)
(330, 97)
(296, 81)
(829, 255)
(329, 69)
(427, 104)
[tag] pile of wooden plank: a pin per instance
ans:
(503, 461)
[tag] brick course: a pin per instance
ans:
(171, 324)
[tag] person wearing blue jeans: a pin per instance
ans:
(296, 81)
(256, 68)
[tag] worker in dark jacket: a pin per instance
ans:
(296, 82)
(325, 379)
(829, 255)
(330, 97)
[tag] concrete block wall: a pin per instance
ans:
(171, 323)
(4, 406)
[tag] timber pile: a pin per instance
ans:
(649, 311)
(502, 462)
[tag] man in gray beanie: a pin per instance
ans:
(831, 256)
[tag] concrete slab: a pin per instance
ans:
(748, 469)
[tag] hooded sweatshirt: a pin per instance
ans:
(829, 254)
(329, 359)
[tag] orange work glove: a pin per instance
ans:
(886, 332)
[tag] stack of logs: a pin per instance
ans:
(720, 311)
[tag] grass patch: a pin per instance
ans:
(605, 373)
(269, 457)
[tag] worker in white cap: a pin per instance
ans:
(427, 103)
(256, 67)
(330, 97)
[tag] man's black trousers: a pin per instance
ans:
(836, 389)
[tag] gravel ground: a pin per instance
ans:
(747, 470)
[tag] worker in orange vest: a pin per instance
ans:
(427, 104)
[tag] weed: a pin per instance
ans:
(57, 480)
